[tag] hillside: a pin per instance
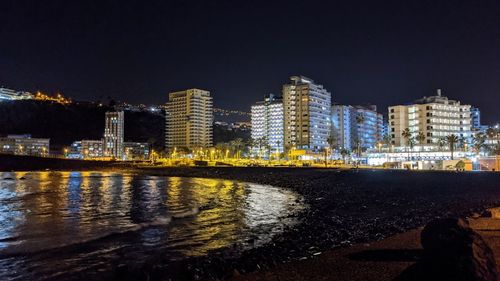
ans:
(64, 124)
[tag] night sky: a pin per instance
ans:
(380, 52)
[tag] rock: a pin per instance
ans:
(495, 213)
(454, 251)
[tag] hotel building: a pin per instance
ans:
(370, 126)
(352, 124)
(113, 134)
(24, 145)
(307, 108)
(189, 118)
(267, 122)
(136, 150)
(436, 117)
(344, 129)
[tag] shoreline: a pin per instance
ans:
(345, 208)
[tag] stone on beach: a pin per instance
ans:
(453, 251)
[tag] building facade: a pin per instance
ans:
(189, 118)
(113, 134)
(136, 150)
(436, 117)
(370, 126)
(475, 115)
(8, 94)
(343, 124)
(268, 122)
(92, 148)
(25, 145)
(307, 107)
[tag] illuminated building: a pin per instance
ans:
(113, 134)
(370, 126)
(189, 118)
(343, 126)
(92, 148)
(436, 117)
(353, 124)
(24, 145)
(307, 108)
(8, 94)
(475, 115)
(267, 122)
(136, 151)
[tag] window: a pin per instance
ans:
(392, 116)
(392, 129)
(392, 110)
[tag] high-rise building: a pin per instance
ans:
(307, 108)
(113, 134)
(356, 125)
(475, 115)
(344, 128)
(436, 117)
(370, 126)
(189, 118)
(267, 122)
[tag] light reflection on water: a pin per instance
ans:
(56, 223)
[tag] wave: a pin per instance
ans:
(158, 222)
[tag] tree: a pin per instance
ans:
(409, 139)
(460, 165)
(441, 143)
(478, 142)
(452, 142)
(237, 146)
(344, 152)
(421, 139)
(331, 141)
(360, 119)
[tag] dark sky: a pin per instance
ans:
(381, 52)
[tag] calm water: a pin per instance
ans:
(56, 224)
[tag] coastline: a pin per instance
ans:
(345, 208)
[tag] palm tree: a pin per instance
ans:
(331, 141)
(408, 137)
(344, 152)
(421, 139)
(237, 146)
(360, 119)
(441, 143)
(452, 141)
(478, 141)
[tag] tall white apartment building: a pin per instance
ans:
(268, 122)
(436, 117)
(189, 118)
(370, 126)
(113, 134)
(307, 109)
(344, 128)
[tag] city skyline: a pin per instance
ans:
(362, 52)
